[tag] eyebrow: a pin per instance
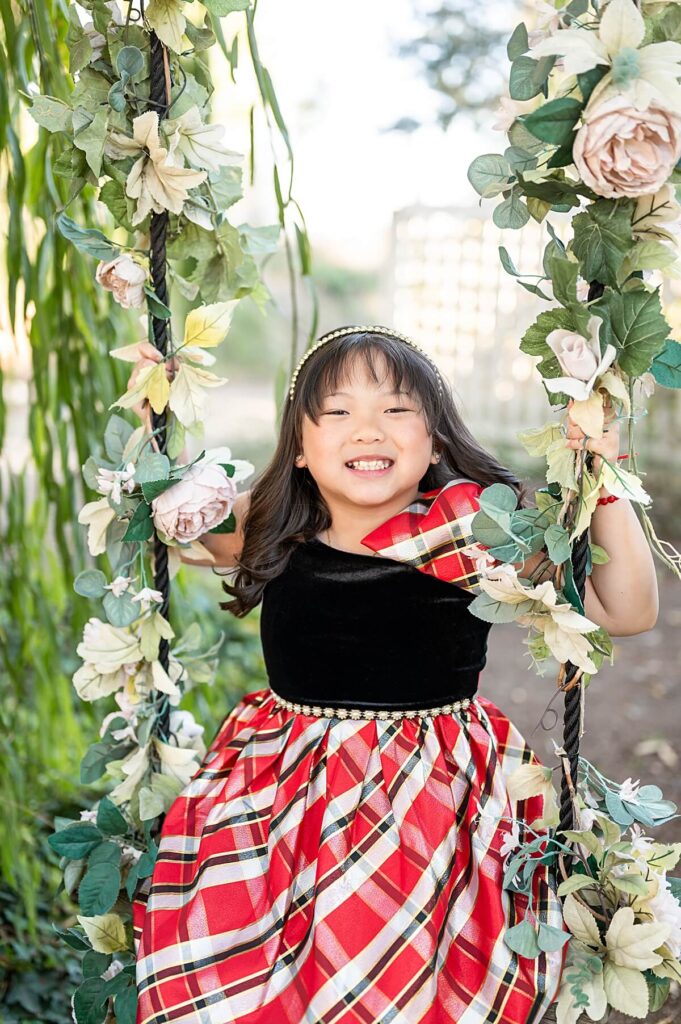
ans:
(346, 394)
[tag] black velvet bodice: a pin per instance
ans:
(347, 629)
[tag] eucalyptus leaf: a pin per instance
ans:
(88, 240)
(528, 76)
(522, 939)
(90, 583)
(519, 42)
(116, 436)
(489, 174)
(512, 212)
(121, 611)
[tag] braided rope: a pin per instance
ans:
(157, 230)
(574, 696)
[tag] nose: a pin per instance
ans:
(367, 430)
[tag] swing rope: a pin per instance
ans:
(160, 101)
(574, 695)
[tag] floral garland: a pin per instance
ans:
(593, 121)
(143, 164)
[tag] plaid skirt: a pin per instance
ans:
(325, 870)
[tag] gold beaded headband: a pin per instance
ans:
(356, 330)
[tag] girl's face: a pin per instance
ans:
(371, 446)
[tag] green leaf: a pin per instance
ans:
(129, 61)
(88, 240)
(639, 329)
(106, 853)
(533, 341)
(550, 939)
(89, 1002)
(156, 307)
(99, 889)
(125, 1005)
(522, 939)
(557, 543)
(141, 526)
(225, 184)
(519, 42)
(80, 47)
(93, 764)
(71, 937)
(51, 113)
(528, 76)
(121, 611)
(666, 366)
(91, 140)
(95, 963)
(116, 436)
(574, 883)
(120, 206)
(152, 488)
(588, 80)
(152, 466)
(489, 174)
(602, 238)
(489, 609)
(223, 7)
(228, 525)
(75, 841)
(116, 96)
(109, 818)
(90, 583)
(511, 212)
(564, 274)
(554, 121)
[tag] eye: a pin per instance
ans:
(333, 412)
(399, 408)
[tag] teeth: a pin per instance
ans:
(376, 464)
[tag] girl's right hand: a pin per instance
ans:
(149, 356)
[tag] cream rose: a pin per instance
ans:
(125, 278)
(202, 499)
(622, 151)
(580, 359)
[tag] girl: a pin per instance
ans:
(338, 857)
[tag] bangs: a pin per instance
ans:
(405, 369)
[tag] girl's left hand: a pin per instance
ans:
(607, 446)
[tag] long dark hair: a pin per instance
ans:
(286, 507)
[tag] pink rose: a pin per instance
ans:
(125, 278)
(202, 499)
(622, 151)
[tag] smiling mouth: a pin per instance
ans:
(370, 466)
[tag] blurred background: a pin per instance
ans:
(386, 105)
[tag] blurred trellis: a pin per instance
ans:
(451, 293)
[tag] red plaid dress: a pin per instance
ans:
(336, 869)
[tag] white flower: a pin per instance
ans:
(640, 842)
(511, 840)
(629, 790)
(154, 179)
(480, 557)
(580, 358)
(546, 23)
(126, 278)
(97, 516)
(586, 818)
(640, 73)
(147, 594)
(88, 815)
(666, 908)
(119, 585)
(184, 727)
(199, 143)
(112, 481)
(97, 40)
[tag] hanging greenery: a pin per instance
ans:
(134, 132)
(593, 121)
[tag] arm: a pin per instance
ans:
(620, 595)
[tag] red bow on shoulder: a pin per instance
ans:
(433, 533)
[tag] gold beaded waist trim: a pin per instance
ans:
(383, 714)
